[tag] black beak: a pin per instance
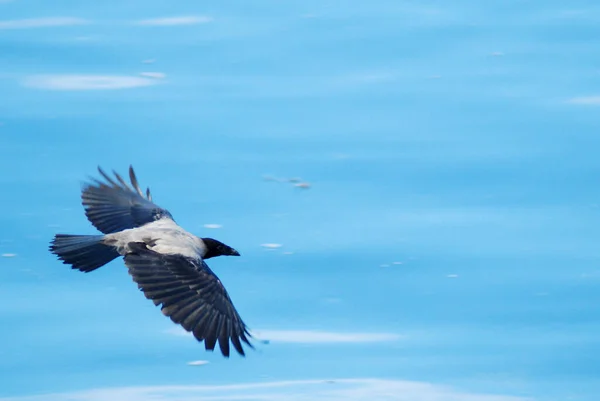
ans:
(234, 253)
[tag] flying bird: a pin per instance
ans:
(167, 262)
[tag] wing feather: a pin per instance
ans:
(134, 181)
(112, 205)
(191, 295)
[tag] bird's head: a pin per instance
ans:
(217, 248)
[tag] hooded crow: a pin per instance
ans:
(167, 262)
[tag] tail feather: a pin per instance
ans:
(83, 252)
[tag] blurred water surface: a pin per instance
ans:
(445, 250)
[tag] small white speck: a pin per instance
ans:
(149, 61)
(9, 255)
(84, 38)
(397, 263)
(212, 225)
(452, 275)
(155, 75)
(197, 363)
(333, 300)
(272, 178)
(303, 185)
(271, 246)
(384, 265)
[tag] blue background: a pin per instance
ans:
(458, 138)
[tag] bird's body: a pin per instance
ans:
(166, 261)
(163, 236)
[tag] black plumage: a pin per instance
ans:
(190, 294)
(113, 206)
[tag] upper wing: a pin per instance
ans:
(190, 294)
(113, 206)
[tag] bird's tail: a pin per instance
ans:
(83, 252)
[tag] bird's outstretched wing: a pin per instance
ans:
(191, 295)
(113, 206)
